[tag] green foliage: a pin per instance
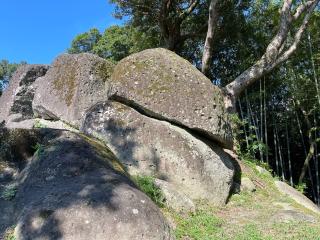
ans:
(301, 187)
(85, 42)
(115, 43)
(147, 185)
(6, 71)
(254, 146)
(9, 192)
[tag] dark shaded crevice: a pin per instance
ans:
(208, 139)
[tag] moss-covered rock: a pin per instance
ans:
(73, 84)
(169, 87)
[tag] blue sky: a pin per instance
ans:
(37, 31)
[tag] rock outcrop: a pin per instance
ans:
(158, 115)
(297, 196)
(74, 188)
(166, 86)
(16, 101)
(147, 146)
(72, 85)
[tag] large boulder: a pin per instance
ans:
(148, 146)
(166, 86)
(16, 100)
(74, 188)
(72, 85)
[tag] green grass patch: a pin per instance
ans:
(201, 225)
(147, 185)
(251, 232)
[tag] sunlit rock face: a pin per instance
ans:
(73, 84)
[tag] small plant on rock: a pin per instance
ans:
(147, 185)
(9, 234)
(39, 124)
(38, 149)
(9, 192)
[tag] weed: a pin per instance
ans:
(38, 149)
(301, 187)
(9, 192)
(147, 185)
(9, 234)
(39, 124)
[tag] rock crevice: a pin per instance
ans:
(195, 132)
(151, 146)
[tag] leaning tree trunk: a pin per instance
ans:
(208, 46)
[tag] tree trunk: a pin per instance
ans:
(265, 120)
(289, 154)
(208, 46)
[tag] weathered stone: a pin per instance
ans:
(164, 85)
(287, 216)
(74, 188)
(297, 196)
(147, 146)
(247, 185)
(18, 97)
(72, 85)
(262, 170)
(174, 198)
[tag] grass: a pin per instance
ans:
(200, 225)
(147, 185)
(247, 216)
(9, 192)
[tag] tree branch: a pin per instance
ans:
(273, 55)
(298, 35)
(208, 46)
(189, 10)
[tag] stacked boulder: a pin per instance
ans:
(72, 85)
(156, 115)
(155, 111)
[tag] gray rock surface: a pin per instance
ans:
(169, 87)
(147, 146)
(73, 84)
(74, 188)
(18, 97)
(174, 198)
(297, 196)
(287, 216)
(247, 185)
(262, 170)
